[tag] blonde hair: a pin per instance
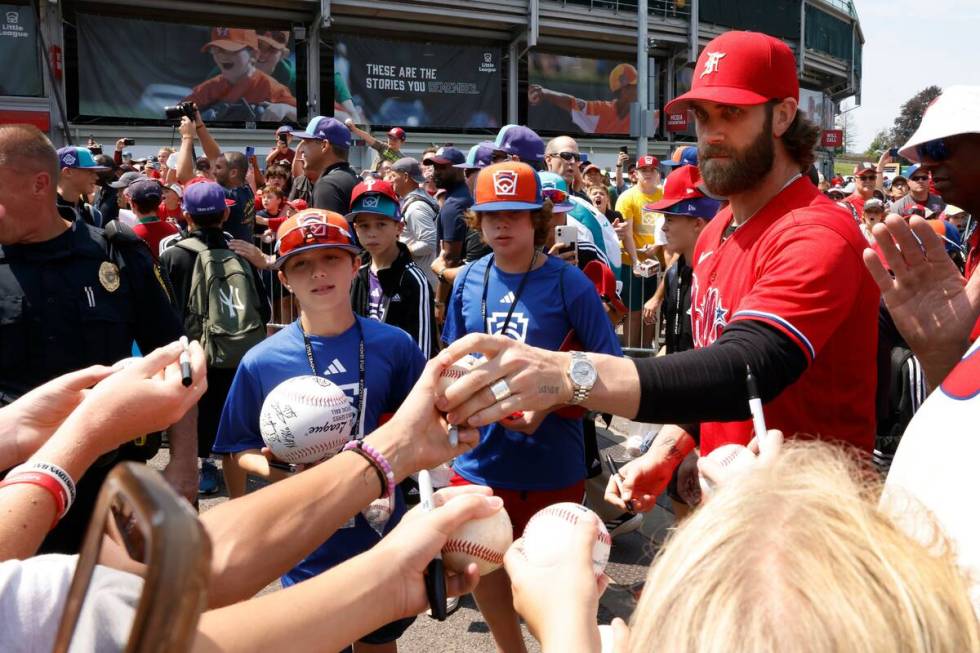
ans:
(797, 557)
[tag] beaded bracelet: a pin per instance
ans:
(381, 465)
(63, 478)
(42, 481)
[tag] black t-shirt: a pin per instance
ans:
(333, 189)
(241, 216)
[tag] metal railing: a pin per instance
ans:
(662, 8)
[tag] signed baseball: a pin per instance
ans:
(483, 541)
(306, 419)
(457, 370)
(733, 457)
(549, 531)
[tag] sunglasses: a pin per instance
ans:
(919, 178)
(568, 156)
(867, 177)
(556, 195)
(313, 233)
(936, 150)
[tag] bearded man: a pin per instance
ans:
(778, 286)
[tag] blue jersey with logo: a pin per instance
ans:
(393, 362)
(556, 298)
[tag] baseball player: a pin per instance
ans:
(778, 284)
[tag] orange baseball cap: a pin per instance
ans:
(232, 39)
(313, 229)
(622, 75)
(507, 186)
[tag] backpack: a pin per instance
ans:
(906, 392)
(222, 307)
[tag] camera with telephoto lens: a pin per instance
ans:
(176, 112)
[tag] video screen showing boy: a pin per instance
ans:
(595, 116)
(240, 90)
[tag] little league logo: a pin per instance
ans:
(516, 328)
(488, 57)
(370, 202)
(505, 183)
(69, 160)
(13, 18)
(711, 65)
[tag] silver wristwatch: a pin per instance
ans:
(583, 375)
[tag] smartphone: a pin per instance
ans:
(567, 236)
(624, 149)
(249, 152)
(129, 141)
(893, 152)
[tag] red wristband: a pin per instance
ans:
(44, 481)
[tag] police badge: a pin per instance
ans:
(109, 276)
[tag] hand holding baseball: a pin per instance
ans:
(726, 463)
(559, 599)
(406, 551)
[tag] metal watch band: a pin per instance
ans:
(579, 392)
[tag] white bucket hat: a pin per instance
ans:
(954, 112)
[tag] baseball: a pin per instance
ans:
(550, 530)
(483, 541)
(457, 370)
(733, 457)
(306, 419)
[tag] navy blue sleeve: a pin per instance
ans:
(239, 426)
(452, 226)
(587, 315)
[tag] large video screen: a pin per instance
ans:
(18, 51)
(574, 95)
(416, 84)
(130, 68)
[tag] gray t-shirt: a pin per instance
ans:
(32, 599)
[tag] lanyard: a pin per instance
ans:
(360, 370)
(517, 294)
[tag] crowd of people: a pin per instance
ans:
(523, 251)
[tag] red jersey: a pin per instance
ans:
(153, 232)
(796, 266)
(167, 215)
(972, 265)
(255, 88)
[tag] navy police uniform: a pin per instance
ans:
(78, 299)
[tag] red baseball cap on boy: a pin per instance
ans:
(685, 194)
(313, 229)
(507, 186)
(742, 68)
(374, 196)
(232, 39)
(647, 161)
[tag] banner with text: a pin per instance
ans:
(415, 84)
(18, 51)
(131, 68)
(573, 95)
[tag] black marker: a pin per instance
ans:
(185, 363)
(435, 577)
(755, 405)
(618, 479)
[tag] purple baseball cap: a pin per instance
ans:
(145, 190)
(321, 128)
(520, 141)
(479, 156)
(445, 155)
(205, 198)
(79, 158)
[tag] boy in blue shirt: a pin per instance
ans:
(375, 365)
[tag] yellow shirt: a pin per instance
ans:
(647, 225)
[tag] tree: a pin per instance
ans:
(846, 124)
(911, 115)
(882, 141)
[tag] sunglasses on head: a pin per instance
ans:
(556, 195)
(313, 233)
(936, 150)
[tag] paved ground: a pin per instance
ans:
(466, 631)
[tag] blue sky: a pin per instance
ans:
(909, 45)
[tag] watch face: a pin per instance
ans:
(583, 373)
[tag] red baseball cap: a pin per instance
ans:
(604, 280)
(647, 161)
(313, 229)
(374, 196)
(507, 186)
(742, 68)
(232, 39)
(397, 132)
(864, 166)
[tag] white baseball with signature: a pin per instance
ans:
(734, 458)
(483, 541)
(549, 531)
(306, 419)
(457, 370)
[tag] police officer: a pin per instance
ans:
(72, 295)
